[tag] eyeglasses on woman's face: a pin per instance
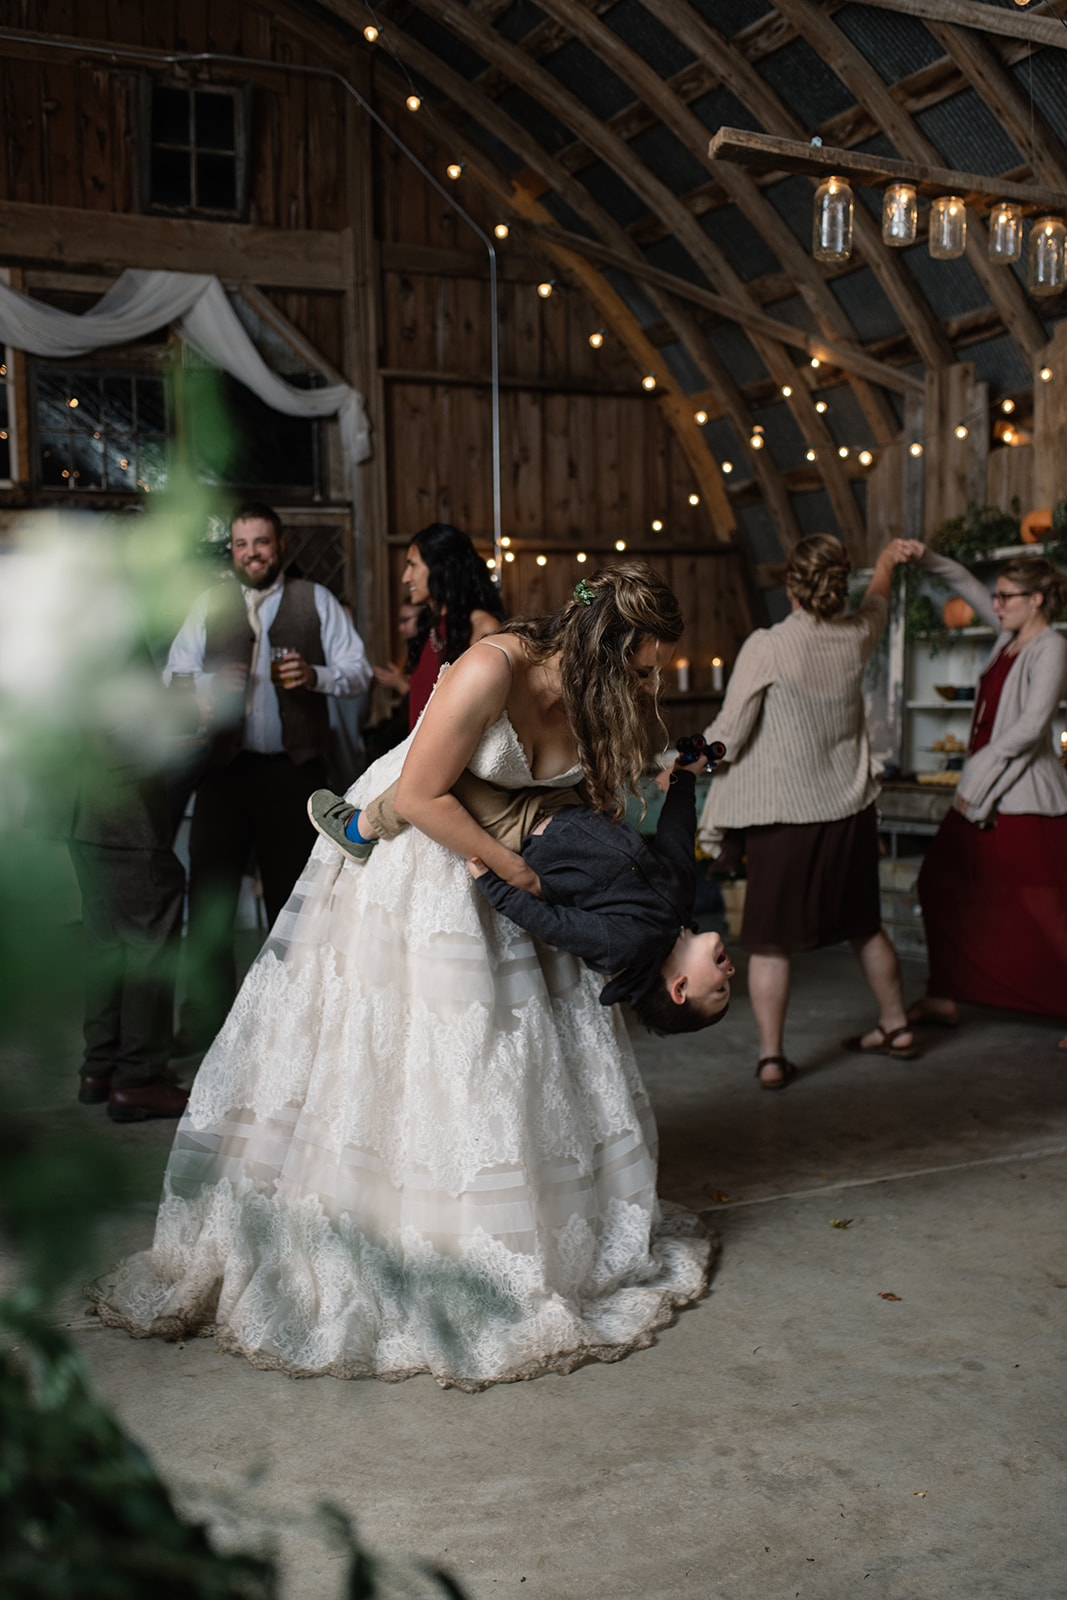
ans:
(1002, 596)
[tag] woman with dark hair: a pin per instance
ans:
(459, 604)
(799, 780)
(420, 1143)
(993, 885)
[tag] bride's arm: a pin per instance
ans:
(468, 699)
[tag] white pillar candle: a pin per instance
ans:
(716, 675)
(682, 669)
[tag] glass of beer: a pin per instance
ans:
(278, 653)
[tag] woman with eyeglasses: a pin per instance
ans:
(993, 886)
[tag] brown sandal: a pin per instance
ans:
(788, 1071)
(899, 1052)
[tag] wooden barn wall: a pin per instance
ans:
(587, 456)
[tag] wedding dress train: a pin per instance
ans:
(418, 1144)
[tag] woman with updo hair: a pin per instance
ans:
(993, 885)
(799, 780)
(420, 1143)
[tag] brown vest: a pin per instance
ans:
(304, 713)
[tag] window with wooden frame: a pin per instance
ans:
(100, 429)
(195, 148)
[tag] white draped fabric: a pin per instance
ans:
(141, 301)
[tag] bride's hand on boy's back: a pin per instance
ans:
(521, 878)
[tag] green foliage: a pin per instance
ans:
(973, 537)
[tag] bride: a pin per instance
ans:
(419, 1143)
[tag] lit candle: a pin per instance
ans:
(716, 675)
(682, 669)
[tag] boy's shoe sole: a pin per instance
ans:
(329, 815)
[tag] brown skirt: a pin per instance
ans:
(811, 884)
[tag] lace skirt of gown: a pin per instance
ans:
(418, 1144)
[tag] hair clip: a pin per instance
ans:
(583, 592)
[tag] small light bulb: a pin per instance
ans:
(648, 381)
(727, 467)
(1045, 374)
(756, 441)
(961, 432)
(506, 542)
(821, 407)
(455, 169)
(370, 33)
(787, 390)
(545, 289)
(810, 455)
(491, 564)
(509, 555)
(620, 544)
(694, 499)
(1007, 406)
(597, 339)
(413, 102)
(842, 451)
(816, 363)
(657, 525)
(700, 417)
(865, 458)
(915, 449)
(1008, 436)
(581, 558)
(72, 404)
(501, 230)
(542, 561)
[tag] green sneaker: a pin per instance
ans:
(330, 816)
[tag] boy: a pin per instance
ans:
(618, 901)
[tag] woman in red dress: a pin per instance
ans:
(993, 886)
(458, 604)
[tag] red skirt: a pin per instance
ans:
(994, 902)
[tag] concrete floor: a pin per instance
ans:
(797, 1434)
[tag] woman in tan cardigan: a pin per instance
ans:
(800, 782)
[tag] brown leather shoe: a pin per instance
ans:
(148, 1100)
(95, 1089)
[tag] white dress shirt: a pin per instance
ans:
(346, 672)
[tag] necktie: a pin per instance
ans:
(254, 598)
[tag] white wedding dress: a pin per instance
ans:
(418, 1144)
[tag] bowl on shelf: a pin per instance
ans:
(965, 693)
(947, 691)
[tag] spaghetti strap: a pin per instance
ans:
(503, 652)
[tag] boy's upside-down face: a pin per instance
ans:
(699, 970)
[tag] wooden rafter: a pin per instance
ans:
(1009, 22)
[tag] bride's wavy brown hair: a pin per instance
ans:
(818, 575)
(617, 728)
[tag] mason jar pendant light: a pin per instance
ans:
(948, 227)
(1005, 232)
(832, 228)
(1048, 256)
(900, 215)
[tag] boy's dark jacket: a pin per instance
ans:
(617, 900)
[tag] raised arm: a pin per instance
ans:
(468, 699)
(956, 577)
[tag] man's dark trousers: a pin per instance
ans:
(132, 921)
(254, 802)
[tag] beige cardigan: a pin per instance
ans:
(1018, 770)
(793, 726)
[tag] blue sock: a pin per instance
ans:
(352, 829)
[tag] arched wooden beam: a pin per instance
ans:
(1013, 24)
(839, 53)
(460, 91)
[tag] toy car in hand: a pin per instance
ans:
(691, 746)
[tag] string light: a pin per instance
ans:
(649, 381)
(694, 499)
(810, 455)
(1045, 374)
(509, 555)
(816, 363)
(73, 404)
(915, 448)
(1007, 406)
(455, 169)
(756, 438)
(542, 561)
(961, 431)
(620, 544)
(727, 467)
(597, 339)
(370, 33)
(505, 541)
(546, 288)
(413, 102)
(700, 418)
(821, 407)
(842, 451)
(501, 230)
(491, 564)
(865, 458)
(787, 390)
(1008, 436)
(657, 525)
(581, 557)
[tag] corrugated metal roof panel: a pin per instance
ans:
(585, 75)
(866, 305)
(792, 200)
(737, 351)
(730, 16)
(745, 247)
(968, 135)
(895, 44)
(502, 154)
(532, 115)
(718, 108)
(445, 44)
(762, 537)
(608, 190)
(785, 442)
(1044, 75)
(519, 19)
(682, 368)
(999, 363)
(633, 296)
(845, 419)
(670, 256)
(671, 161)
(815, 513)
(795, 311)
(644, 33)
(724, 444)
(805, 82)
(564, 215)
(951, 287)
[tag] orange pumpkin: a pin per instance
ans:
(957, 613)
(1037, 526)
